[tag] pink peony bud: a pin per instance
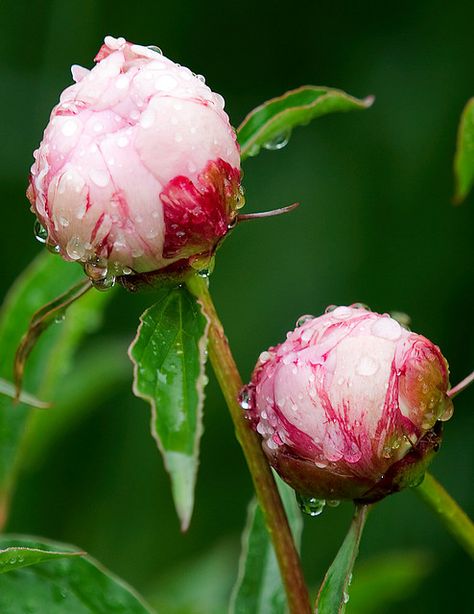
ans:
(139, 167)
(348, 406)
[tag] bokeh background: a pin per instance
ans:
(376, 225)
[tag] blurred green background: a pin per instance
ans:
(375, 225)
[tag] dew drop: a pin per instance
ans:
(245, 398)
(155, 49)
(386, 328)
(264, 357)
(279, 141)
(310, 505)
(448, 412)
(147, 119)
(330, 308)
(99, 177)
(165, 83)
(342, 313)
(367, 366)
(253, 150)
(96, 269)
(303, 319)
(41, 234)
(345, 597)
(75, 248)
(60, 317)
(69, 127)
(333, 502)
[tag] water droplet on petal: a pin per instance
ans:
(41, 234)
(155, 49)
(69, 127)
(310, 505)
(99, 177)
(448, 412)
(386, 328)
(367, 366)
(245, 398)
(75, 249)
(341, 313)
(303, 319)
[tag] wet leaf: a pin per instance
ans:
(169, 354)
(46, 278)
(388, 578)
(464, 158)
(333, 594)
(270, 124)
(259, 588)
(86, 388)
(43, 318)
(16, 557)
(72, 584)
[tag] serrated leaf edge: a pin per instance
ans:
(362, 103)
(185, 518)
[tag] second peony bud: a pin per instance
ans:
(348, 407)
(139, 167)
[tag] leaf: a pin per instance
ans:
(464, 158)
(169, 355)
(259, 588)
(47, 277)
(76, 585)
(389, 578)
(43, 318)
(8, 389)
(21, 556)
(86, 387)
(197, 586)
(333, 595)
(270, 124)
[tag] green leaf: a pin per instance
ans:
(21, 556)
(333, 594)
(86, 387)
(47, 277)
(169, 354)
(259, 588)
(270, 124)
(76, 585)
(54, 311)
(386, 579)
(464, 158)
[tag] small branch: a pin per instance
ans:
(265, 487)
(451, 515)
(461, 386)
(245, 217)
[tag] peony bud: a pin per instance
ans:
(348, 406)
(139, 166)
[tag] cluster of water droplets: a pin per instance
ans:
(313, 506)
(103, 274)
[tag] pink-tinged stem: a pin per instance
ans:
(266, 490)
(461, 386)
(451, 515)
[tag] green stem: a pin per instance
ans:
(451, 515)
(266, 490)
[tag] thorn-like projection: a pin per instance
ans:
(244, 217)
